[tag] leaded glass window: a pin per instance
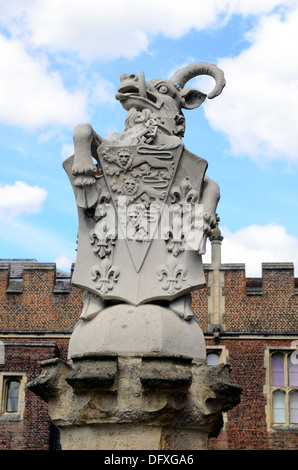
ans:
(12, 396)
(284, 387)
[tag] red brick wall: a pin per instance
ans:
(33, 432)
(200, 305)
(38, 310)
(274, 311)
(246, 427)
(38, 307)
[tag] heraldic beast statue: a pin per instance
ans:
(145, 205)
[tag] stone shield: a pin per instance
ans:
(140, 241)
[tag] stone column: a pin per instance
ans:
(216, 300)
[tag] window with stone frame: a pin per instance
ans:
(215, 355)
(283, 397)
(11, 395)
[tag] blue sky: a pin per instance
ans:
(60, 65)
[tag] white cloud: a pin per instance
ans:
(30, 94)
(102, 91)
(64, 263)
(20, 197)
(116, 28)
(256, 244)
(260, 99)
(33, 95)
(258, 108)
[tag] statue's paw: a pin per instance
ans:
(83, 181)
(84, 168)
(209, 223)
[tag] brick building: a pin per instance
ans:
(250, 324)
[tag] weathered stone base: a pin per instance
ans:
(136, 402)
(131, 437)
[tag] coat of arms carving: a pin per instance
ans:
(145, 203)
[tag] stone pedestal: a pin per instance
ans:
(131, 401)
(129, 329)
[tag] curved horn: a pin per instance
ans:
(182, 76)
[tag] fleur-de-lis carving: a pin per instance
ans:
(105, 275)
(103, 247)
(103, 235)
(176, 232)
(173, 275)
(183, 198)
(184, 193)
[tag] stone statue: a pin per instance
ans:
(136, 374)
(145, 203)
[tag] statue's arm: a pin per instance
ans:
(209, 199)
(86, 142)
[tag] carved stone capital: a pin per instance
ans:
(139, 401)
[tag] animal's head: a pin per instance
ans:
(166, 98)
